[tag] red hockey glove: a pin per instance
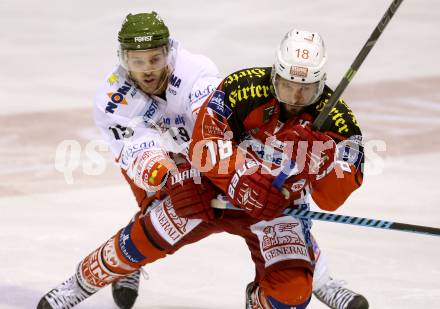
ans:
(190, 193)
(313, 151)
(253, 191)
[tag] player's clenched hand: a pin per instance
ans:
(313, 151)
(252, 190)
(190, 193)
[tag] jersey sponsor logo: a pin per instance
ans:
(168, 225)
(244, 93)
(130, 150)
(151, 111)
(281, 239)
(117, 98)
(217, 104)
(341, 116)
(281, 233)
(133, 92)
(127, 247)
(265, 152)
(179, 129)
(199, 94)
(175, 81)
(145, 38)
(180, 119)
(212, 128)
(249, 73)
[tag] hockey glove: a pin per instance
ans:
(190, 193)
(252, 191)
(313, 151)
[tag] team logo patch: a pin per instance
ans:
(217, 104)
(170, 226)
(281, 239)
(351, 151)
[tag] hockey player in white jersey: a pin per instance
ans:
(149, 97)
(145, 108)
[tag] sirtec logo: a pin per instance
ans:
(146, 38)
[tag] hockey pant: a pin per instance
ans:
(281, 249)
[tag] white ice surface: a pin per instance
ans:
(55, 53)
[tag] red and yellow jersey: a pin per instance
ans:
(237, 119)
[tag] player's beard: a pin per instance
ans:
(158, 84)
(288, 111)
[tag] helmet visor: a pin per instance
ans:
(148, 60)
(294, 93)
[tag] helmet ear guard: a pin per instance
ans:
(301, 58)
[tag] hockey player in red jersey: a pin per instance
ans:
(191, 79)
(258, 120)
(172, 222)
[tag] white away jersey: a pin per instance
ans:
(127, 116)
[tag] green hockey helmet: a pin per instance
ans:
(143, 31)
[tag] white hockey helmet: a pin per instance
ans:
(300, 59)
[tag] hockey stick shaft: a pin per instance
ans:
(318, 124)
(359, 221)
